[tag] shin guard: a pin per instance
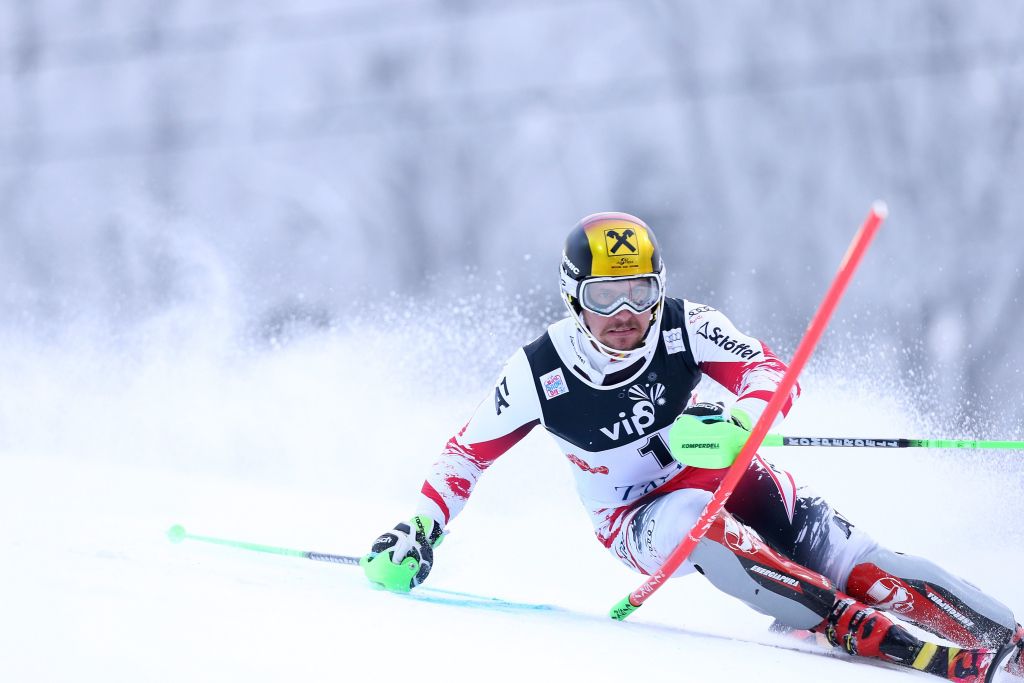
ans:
(940, 603)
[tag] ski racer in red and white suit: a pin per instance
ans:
(614, 434)
(778, 546)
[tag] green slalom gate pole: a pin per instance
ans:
(860, 442)
(177, 534)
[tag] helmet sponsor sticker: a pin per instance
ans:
(554, 384)
(620, 247)
(623, 242)
(569, 264)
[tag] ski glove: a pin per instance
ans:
(706, 436)
(401, 558)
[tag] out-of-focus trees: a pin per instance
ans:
(288, 155)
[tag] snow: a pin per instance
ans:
(321, 444)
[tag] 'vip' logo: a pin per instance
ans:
(645, 399)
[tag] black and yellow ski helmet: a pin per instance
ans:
(612, 246)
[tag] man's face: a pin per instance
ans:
(623, 330)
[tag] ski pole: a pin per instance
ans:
(177, 534)
(815, 329)
(833, 442)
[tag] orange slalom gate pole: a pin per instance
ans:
(817, 326)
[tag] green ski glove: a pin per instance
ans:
(704, 436)
(400, 559)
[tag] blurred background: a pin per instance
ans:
(259, 260)
(277, 169)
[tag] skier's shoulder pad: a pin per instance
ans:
(715, 338)
(696, 313)
(512, 403)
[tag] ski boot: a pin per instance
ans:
(866, 632)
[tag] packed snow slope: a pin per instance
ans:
(321, 443)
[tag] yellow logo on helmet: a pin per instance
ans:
(619, 247)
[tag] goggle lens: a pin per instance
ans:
(606, 297)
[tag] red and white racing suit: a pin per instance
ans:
(778, 546)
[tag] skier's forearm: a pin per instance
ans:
(453, 477)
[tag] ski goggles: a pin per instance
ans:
(610, 295)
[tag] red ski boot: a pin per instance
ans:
(863, 631)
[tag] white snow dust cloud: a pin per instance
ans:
(320, 440)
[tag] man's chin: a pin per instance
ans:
(622, 344)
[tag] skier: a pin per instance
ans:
(613, 384)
